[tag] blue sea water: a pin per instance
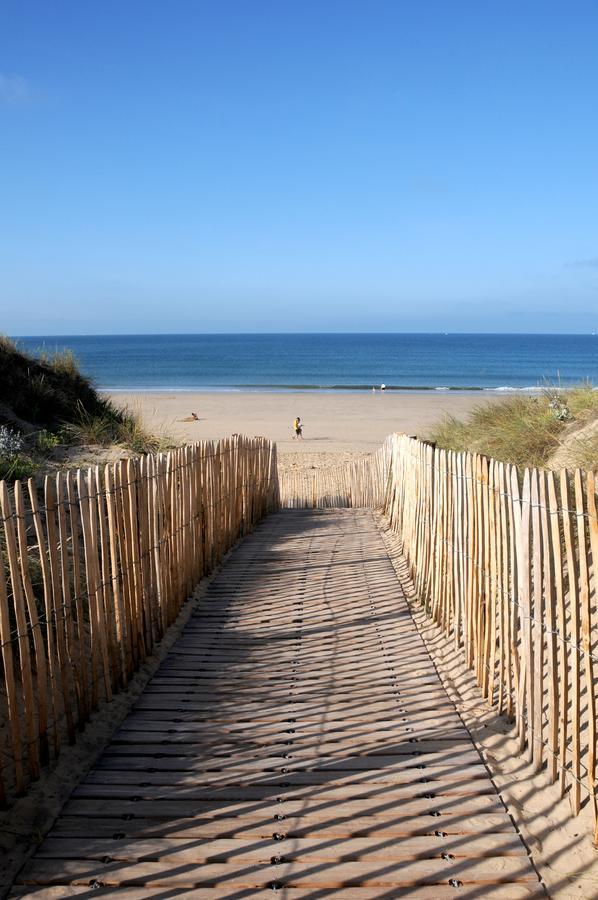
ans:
(254, 362)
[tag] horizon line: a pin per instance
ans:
(302, 333)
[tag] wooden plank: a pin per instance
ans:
(91, 581)
(108, 608)
(10, 682)
(189, 800)
(406, 873)
(442, 778)
(537, 623)
(263, 826)
(583, 543)
(551, 631)
(52, 666)
(573, 608)
(506, 682)
(80, 654)
(59, 601)
(509, 891)
(120, 619)
(228, 850)
(561, 625)
(72, 651)
(21, 641)
(41, 681)
(593, 530)
(131, 519)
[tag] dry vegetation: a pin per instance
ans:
(49, 409)
(557, 429)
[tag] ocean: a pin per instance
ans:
(329, 362)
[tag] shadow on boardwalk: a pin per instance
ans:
(295, 742)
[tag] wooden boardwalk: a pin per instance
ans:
(297, 740)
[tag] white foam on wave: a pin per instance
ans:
(508, 389)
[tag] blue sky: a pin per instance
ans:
(300, 166)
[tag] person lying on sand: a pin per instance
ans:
(192, 418)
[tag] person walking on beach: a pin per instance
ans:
(298, 429)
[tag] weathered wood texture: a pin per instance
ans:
(295, 740)
(359, 484)
(506, 562)
(93, 570)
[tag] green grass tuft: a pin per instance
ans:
(47, 441)
(111, 425)
(64, 362)
(17, 467)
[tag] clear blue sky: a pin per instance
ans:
(290, 166)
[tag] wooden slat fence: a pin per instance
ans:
(94, 567)
(506, 562)
(358, 484)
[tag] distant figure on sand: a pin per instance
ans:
(298, 429)
(382, 387)
(195, 417)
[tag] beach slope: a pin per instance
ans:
(334, 423)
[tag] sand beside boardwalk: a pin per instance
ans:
(336, 426)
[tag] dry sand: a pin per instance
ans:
(336, 426)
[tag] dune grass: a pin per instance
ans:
(46, 401)
(528, 431)
(110, 425)
(17, 468)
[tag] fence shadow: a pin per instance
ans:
(296, 740)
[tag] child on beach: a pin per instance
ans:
(298, 429)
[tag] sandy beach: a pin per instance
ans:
(336, 426)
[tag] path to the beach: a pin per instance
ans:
(296, 739)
